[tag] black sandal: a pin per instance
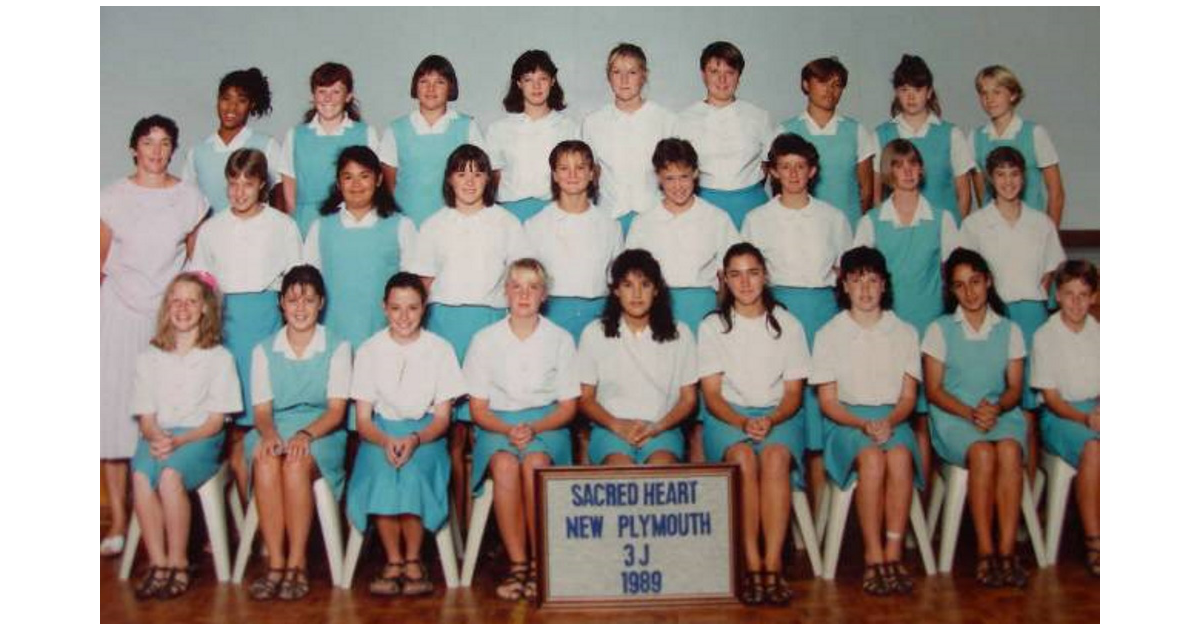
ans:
(153, 582)
(987, 572)
(512, 585)
(776, 591)
(753, 591)
(294, 585)
(531, 582)
(388, 586)
(1012, 572)
(178, 582)
(414, 587)
(898, 579)
(267, 585)
(1093, 554)
(875, 581)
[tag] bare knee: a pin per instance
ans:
(1090, 457)
(899, 462)
(742, 455)
(506, 470)
(533, 461)
(871, 465)
(1008, 453)
(662, 458)
(981, 457)
(618, 459)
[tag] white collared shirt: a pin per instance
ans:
(1044, 152)
(635, 376)
(406, 236)
(623, 143)
(689, 246)
(520, 147)
(388, 154)
(181, 391)
(868, 364)
(575, 248)
(1020, 255)
(865, 235)
(866, 139)
(961, 158)
(514, 374)
(239, 141)
(729, 140)
(468, 254)
(287, 165)
(404, 382)
(753, 363)
(336, 386)
(802, 247)
(1066, 360)
(934, 344)
(247, 255)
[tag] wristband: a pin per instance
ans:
(419, 442)
(306, 434)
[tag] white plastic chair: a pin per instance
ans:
(1058, 481)
(331, 530)
(805, 532)
(950, 488)
(445, 546)
(213, 506)
(835, 510)
(481, 509)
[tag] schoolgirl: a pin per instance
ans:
(623, 135)
(1066, 369)
(637, 366)
(405, 381)
(524, 387)
(802, 238)
(973, 359)
(916, 117)
(686, 234)
(241, 95)
(414, 148)
(574, 239)
(300, 380)
(999, 94)
(146, 225)
(752, 363)
(184, 386)
(359, 241)
(310, 148)
(845, 145)
(520, 143)
(248, 249)
(730, 135)
(866, 366)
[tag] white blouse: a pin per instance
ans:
(515, 374)
(247, 255)
(635, 376)
(802, 247)
(753, 362)
(1066, 360)
(468, 254)
(575, 248)
(689, 246)
(868, 364)
(404, 382)
(182, 390)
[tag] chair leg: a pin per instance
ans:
(823, 506)
(1039, 487)
(132, 538)
(956, 498)
(245, 542)
(838, 511)
(804, 520)
(213, 506)
(331, 527)
(480, 511)
(1058, 481)
(456, 534)
(354, 545)
(937, 497)
(445, 547)
(1032, 523)
(236, 510)
(920, 532)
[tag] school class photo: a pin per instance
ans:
(605, 315)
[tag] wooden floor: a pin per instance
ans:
(1061, 594)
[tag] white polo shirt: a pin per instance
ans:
(387, 144)
(515, 374)
(181, 391)
(754, 364)
(868, 364)
(406, 236)
(576, 249)
(730, 141)
(688, 246)
(623, 144)
(1066, 360)
(802, 247)
(468, 254)
(286, 163)
(336, 386)
(635, 376)
(961, 158)
(1019, 254)
(1044, 152)
(865, 235)
(934, 344)
(404, 382)
(520, 147)
(247, 255)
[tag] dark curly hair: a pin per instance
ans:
(974, 260)
(532, 61)
(253, 85)
(383, 201)
(725, 303)
(662, 318)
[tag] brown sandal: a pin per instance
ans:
(1012, 572)
(267, 585)
(899, 581)
(776, 591)
(987, 572)
(155, 579)
(385, 585)
(753, 591)
(512, 585)
(417, 586)
(294, 585)
(179, 580)
(875, 581)
(1093, 554)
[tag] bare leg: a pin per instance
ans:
(696, 443)
(924, 447)
(747, 462)
(816, 478)
(390, 528)
(414, 534)
(981, 461)
(459, 436)
(508, 505)
(177, 516)
(663, 458)
(1087, 489)
(618, 459)
(1008, 493)
(116, 482)
(1034, 442)
(868, 499)
(268, 496)
(150, 516)
(297, 490)
(775, 490)
(532, 462)
(897, 499)
(237, 461)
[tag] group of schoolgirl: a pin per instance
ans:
(676, 212)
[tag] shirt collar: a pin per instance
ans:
(830, 128)
(990, 214)
(920, 132)
(237, 142)
(1090, 325)
(990, 318)
(547, 119)
(419, 123)
(887, 211)
(346, 123)
(316, 345)
(350, 221)
(1010, 132)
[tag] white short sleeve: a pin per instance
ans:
(407, 236)
(450, 382)
(260, 378)
(340, 373)
(708, 348)
(934, 344)
(142, 401)
(950, 239)
(286, 166)
(312, 245)
(912, 356)
(1046, 154)
(864, 236)
(798, 362)
(586, 360)
(224, 392)
(475, 368)
(961, 161)
(824, 358)
(1043, 363)
(1016, 342)
(387, 148)
(867, 146)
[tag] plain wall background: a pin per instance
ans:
(170, 60)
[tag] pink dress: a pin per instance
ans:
(149, 226)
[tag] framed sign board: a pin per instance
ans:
(619, 536)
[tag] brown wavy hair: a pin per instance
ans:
(210, 319)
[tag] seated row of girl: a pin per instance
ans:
(730, 135)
